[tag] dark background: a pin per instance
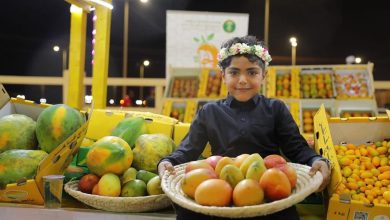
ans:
(327, 31)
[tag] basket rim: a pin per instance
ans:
(118, 204)
(306, 185)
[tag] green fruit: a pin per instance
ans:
(129, 129)
(129, 174)
(145, 175)
(255, 170)
(109, 155)
(134, 188)
(55, 124)
(17, 132)
(231, 174)
(17, 164)
(154, 186)
(150, 149)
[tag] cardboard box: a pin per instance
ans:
(211, 84)
(103, 121)
(360, 130)
(31, 190)
(181, 129)
(283, 82)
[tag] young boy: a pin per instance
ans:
(245, 122)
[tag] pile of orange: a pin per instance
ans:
(366, 171)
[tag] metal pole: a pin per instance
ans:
(125, 44)
(266, 23)
(293, 55)
(141, 75)
(64, 60)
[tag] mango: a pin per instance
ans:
(222, 163)
(109, 185)
(249, 160)
(134, 188)
(154, 186)
(145, 175)
(231, 174)
(255, 171)
(129, 174)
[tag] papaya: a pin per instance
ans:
(109, 154)
(150, 149)
(18, 164)
(55, 124)
(129, 129)
(17, 132)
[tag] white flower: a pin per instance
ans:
(242, 48)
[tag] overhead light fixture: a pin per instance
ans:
(358, 60)
(293, 41)
(144, 1)
(75, 9)
(56, 48)
(103, 3)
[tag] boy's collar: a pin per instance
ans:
(231, 100)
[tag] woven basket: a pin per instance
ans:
(119, 204)
(171, 185)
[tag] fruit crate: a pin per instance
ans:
(181, 110)
(356, 113)
(283, 82)
(330, 132)
(353, 83)
(183, 87)
(316, 83)
(211, 85)
(30, 191)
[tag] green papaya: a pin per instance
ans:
(17, 132)
(150, 149)
(17, 164)
(129, 129)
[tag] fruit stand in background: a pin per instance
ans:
(345, 90)
(359, 152)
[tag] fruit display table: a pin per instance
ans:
(72, 209)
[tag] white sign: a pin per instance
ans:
(194, 38)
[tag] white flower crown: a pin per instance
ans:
(242, 48)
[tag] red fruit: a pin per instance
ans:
(290, 173)
(273, 160)
(87, 182)
(275, 184)
(213, 160)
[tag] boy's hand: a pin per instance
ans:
(322, 166)
(165, 165)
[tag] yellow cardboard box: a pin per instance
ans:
(181, 129)
(359, 130)
(31, 190)
(103, 121)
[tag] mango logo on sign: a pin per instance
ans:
(229, 26)
(206, 52)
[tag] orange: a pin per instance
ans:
(386, 196)
(192, 179)
(214, 192)
(248, 192)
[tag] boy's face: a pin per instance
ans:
(243, 78)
